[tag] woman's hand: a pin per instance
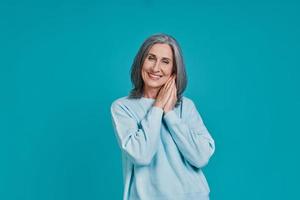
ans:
(173, 97)
(164, 93)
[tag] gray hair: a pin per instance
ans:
(178, 66)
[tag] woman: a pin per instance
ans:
(163, 140)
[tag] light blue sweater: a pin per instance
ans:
(162, 153)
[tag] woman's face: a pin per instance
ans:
(158, 66)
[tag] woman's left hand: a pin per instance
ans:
(173, 98)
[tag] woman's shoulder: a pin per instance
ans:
(188, 104)
(123, 101)
(120, 100)
(187, 100)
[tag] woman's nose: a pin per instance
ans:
(156, 66)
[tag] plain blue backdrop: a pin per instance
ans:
(62, 63)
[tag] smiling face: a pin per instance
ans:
(157, 67)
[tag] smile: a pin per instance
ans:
(154, 77)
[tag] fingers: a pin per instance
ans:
(169, 81)
(169, 90)
(172, 99)
(174, 88)
(165, 92)
(167, 85)
(174, 91)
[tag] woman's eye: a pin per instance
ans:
(166, 62)
(150, 58)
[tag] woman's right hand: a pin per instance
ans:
(164, 93)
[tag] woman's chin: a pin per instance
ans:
(153, 84)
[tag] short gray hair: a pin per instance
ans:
(178, 66)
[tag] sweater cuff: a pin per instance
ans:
(171, 117)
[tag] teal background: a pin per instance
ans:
(63, 63)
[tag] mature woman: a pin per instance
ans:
(162, 137)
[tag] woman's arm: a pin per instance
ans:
(139, 140)
(191, 136)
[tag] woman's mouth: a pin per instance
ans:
(154, 77)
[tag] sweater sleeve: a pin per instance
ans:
(191, 136)
(138, 140)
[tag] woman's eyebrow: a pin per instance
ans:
(151, 54)
(167, 58)
(162, 57)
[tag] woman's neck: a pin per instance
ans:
(151, 93)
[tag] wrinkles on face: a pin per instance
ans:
(157, 67)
